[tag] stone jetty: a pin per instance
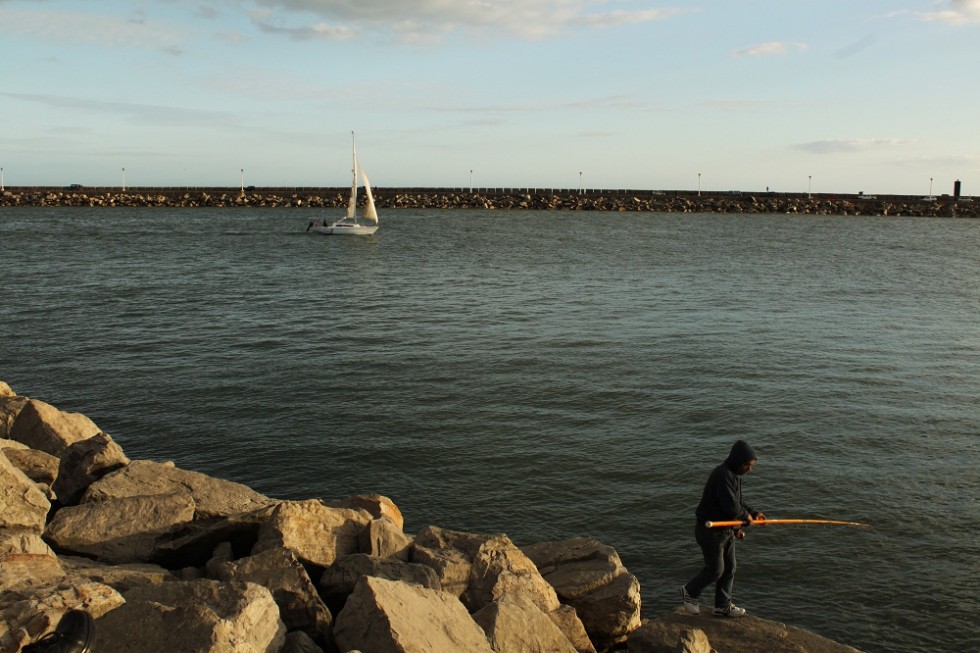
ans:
(167, 559)
(504, 199)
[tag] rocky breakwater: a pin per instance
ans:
(167, 559)
(502, 199)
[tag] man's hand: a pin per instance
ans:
(740, 534)
(758, 519)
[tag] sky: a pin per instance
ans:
(821, 96)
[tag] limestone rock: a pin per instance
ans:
(499, 570)
(666, 634)
(572, 627)
(27, 615)
(450, 553)
(196, 543)
(299, 642)
(10, 407)
(40, 467)
(384, 616)
(121, 578)
(376, 505)
(521, 627)
(280, 571)
(339, 579)
(5, 390)
(24, 505)
(42, 426)
(22, 540)
(119, 530)
(384, 538)
(85, 462)
(590, 577)
(19, 571)
(202, 616)
(213, 497)
(317, 533)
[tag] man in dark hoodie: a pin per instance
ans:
(721, 501)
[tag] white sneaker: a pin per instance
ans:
(731, 611)
(690, 604)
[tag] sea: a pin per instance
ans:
(550, 375)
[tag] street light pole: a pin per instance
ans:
(699, 184)
(1, 179)
(930, 186)
(243, 180)
(581, 189)
(124, 180)
(471, 182)
(809, 185)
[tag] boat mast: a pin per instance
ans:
(352, 204)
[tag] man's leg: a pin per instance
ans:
(726, 580)
(713, 546)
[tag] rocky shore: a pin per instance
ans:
(167, 559)
(506, 199)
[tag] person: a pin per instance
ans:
(721, 501)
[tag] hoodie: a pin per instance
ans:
(722, 496)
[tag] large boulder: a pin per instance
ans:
(24, 505)
(26, 615)
(19, 571)
(338, 581)
(516, 626)
(501, 570)
(318, 534)
(120, 530)
(213, 497)
(40, 467)
(280, 571)
(384, 538)
(5, 390)
(674, 631)
(589, 576)
(122, 578)
(10, 407)
(384, 616)
(42, 426)
(203, 616)
(85, 462)
(376, 505)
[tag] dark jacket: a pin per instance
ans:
(722, 496)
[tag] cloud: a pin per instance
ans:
(849, 145)
(432, 20)
(141, 113)
(959, 12)
(97, 29)
(768, 49)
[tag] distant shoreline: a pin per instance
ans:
(621, 200)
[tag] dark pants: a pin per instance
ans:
(718, 547)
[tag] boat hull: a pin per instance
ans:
(344, 229)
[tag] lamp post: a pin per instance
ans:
(699, 184)
(930, 187)
(580, 187)
(1, 179)
(471, 182)
(124, 180)
(243, 180)
(809, 185)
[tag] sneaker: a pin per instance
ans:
(73, 634)
(690, 604)
(731, 611)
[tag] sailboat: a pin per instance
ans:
(349, 224)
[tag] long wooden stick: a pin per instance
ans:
(766, 522)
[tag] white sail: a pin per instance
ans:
(370, 213)
(352, 203)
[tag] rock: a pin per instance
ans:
(318, 534)
(119, 530)
(501, 570)
(40, 467)
(384, 538)
(26, 616)
(24, 505)
(121, 578)
(299, 642)
(339, 579)
(452, 567)
(19, 540)
(384, 616)
(514, 626)
(666, 634)
(85, 462)
(590, 577)
(5, 390)
(212, 497)
(45, 428)
(376, 505)
(10, 407)
(280, 571)
(572, 627)
(19, 571)
(195, 544)
(203, 616)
